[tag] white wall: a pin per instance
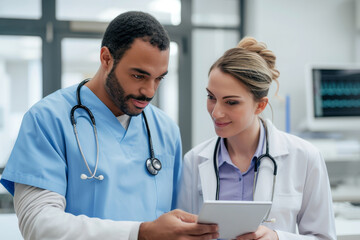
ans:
(357, 17)
(301, 32)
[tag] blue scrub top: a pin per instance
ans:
(46, 155)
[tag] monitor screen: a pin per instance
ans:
(333, 101)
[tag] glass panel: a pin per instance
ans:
(168, 90)
(166, 11)
(80, 60)
(21, 86)
(216, 13)
(29, 9)
(208, 46)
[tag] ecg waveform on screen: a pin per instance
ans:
(340, 94)
(341, 103)
(340, 89)
(336, 92)
(340, 98)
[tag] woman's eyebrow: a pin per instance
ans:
(231, 96)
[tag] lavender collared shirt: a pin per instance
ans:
(235, 185)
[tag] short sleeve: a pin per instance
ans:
(37, 158)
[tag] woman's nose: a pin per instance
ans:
(217, 111)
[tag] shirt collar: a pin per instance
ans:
(224, 154)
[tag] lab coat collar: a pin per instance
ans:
(277, 145)
(277, 148)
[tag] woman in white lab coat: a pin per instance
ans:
(237, 93)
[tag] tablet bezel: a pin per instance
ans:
(234, 218)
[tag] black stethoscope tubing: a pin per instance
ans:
(256, 168)
(153, 165)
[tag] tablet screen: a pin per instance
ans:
(234, 218)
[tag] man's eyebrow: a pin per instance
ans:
(162, 75)
(139, 70)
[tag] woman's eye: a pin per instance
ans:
(232, 102)
(210, 97)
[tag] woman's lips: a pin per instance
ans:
(221, 124)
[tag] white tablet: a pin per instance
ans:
(234, 218)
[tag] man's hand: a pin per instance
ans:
(177, 224)
(262, 233)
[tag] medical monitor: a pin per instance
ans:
(333, 97)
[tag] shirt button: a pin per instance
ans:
(239, 179)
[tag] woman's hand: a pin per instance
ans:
(263, 233)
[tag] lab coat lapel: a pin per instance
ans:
(208, 180)
(264, 183)
(207, 172)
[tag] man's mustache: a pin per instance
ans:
(139, 98)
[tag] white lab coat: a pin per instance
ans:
(302, 203)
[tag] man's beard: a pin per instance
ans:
(118, 96)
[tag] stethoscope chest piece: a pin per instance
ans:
(153, 165)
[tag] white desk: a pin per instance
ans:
(347, 229)
(346, 193)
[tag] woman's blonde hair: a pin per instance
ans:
(251, 63)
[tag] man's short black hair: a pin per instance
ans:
(128, 26)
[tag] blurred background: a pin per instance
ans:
(46, 45)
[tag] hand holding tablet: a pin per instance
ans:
(234, 218)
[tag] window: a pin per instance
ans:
(208, 13)
(21, 86)
(80, 59)
(166, 11)
(28, 9)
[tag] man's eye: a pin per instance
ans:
(161, 78)
(138, 76)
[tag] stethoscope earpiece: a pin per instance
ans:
(84, 177)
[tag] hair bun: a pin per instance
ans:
(251, 44)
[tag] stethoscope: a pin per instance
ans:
(256, 167)
(153, 165)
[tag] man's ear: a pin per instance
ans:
(106, 59)
(261, 105)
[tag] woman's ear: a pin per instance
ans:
(261, 105)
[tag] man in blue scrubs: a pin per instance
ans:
(72, 180)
